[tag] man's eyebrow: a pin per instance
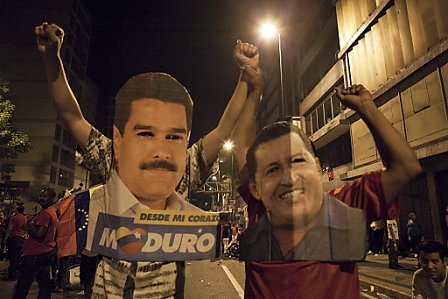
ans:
(143, 127)
(147, 127)
(270, 165)
(179, 130)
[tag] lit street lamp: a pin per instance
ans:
(228, 145)
(269, 30)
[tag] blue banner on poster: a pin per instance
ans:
(158, 235)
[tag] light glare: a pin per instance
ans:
(268, 30)
(228, 145)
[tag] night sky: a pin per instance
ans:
(191, 40)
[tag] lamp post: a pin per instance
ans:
(228, 145)
(270, 30)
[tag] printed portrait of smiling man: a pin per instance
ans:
(301, 221)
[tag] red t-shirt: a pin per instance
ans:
(313, 279)
(48, 219)
(16, 223)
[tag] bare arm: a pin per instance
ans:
(49, 42)
(246, 55)
(38, 232)
(243, 134)
(401, 164)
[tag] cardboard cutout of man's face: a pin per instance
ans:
(288, 182)
(151, 152)
(301, 221)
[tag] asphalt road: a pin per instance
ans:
(219, 279)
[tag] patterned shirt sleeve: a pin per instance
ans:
(98, 156)
(197, 171)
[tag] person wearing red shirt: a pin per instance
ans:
(39, 249)
(14, 241)
(282, 177)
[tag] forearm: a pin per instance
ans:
(37, 233)
(243, 134)
(213, 141)
(397, 156)
(64, 101)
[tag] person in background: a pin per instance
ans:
(3, 225)
(226, 235)
(415, 232)
(446, 223)
(393, 247)
(87, 268)
(14, 242)
(39, 249)
(376, 238)
(430, 282)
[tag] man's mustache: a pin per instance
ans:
(158, 165)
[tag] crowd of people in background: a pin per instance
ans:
(230, 239)
(407, 243)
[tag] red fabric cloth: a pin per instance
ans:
(16, 223)
(301, 279)
(73, 222)
(67, 227)
(48, 219)
(367, 193)
(312, 279)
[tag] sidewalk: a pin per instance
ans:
(375, 272)
(7, 288)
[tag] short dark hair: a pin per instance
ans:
(271, 132)
(20, 209)
(431, 246)
(50, 192)
(160, 86)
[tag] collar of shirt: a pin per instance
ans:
(115, 188)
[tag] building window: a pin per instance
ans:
(55, 155)
(336, 153)
(53, 175)
(67, 140)
(65, 179)
(327, 109)
(67, 158)
(57, 132)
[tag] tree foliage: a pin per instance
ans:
(12, 140)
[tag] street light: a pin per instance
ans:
(228, 146)
(269, 30)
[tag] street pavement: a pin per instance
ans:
(375, 274)
(224, 279)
